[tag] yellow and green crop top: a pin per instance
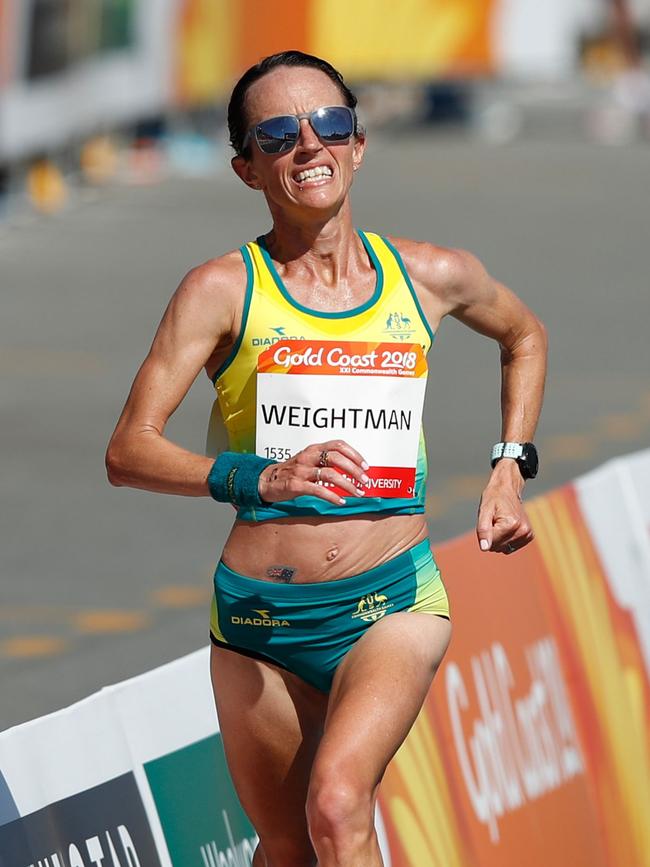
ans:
(270, 314)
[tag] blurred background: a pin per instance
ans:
(517, 129)
(95, 90)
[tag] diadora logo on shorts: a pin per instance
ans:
(372, 607)
(279, 334)
(263, 618)
(399, 326)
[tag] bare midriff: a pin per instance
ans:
(319, 549)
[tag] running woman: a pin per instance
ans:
(329, 616)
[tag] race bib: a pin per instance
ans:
(369, 394)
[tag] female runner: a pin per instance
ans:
(329, 617)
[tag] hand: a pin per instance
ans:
(502, 523)
(301, 474)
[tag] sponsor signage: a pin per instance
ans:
(201, 817)
(104, 826)
(517, 745)
(369, 394)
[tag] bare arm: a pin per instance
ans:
(453, 282)
(197, 327)
(196, 331)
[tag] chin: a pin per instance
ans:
(325, 198)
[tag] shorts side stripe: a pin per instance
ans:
(215, 629)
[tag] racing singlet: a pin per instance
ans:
(297, 376)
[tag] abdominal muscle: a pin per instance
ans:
(306, 550)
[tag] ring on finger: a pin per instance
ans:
(317, 475)
(322, 459)
(510, 548)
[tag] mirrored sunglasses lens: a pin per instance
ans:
(277, 134)
(333, 124)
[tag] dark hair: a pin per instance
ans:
(237, 124)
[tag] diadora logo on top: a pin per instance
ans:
(372, 607)
(278, 335)
(399, 327)
(263, 618)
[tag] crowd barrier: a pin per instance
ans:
(532, 748)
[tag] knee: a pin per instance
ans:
(339, 810)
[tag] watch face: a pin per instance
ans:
(529, 461)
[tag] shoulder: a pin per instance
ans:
(211, 294)
(215, 280)
(445, 272)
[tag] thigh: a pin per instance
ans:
(377, 693)
(271, 724)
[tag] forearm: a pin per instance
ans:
(149, 461)
(523, 373)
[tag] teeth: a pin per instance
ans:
(316, 172)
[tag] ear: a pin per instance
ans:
(244, 170)
(359, 148)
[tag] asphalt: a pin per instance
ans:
(98, 584)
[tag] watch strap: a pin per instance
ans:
(506, 450)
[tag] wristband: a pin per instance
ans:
(234, 478)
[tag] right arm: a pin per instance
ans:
(197, 330)
(197, 325)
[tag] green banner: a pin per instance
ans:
(201, 817)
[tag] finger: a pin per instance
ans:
(347, 466)
(505, 529)
(484, 532)
(345, 449)
(313, 489)
(515, 542)
(332, 477)
(290, 487)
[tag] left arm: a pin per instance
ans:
(453, 282)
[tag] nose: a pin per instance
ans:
(308, 140)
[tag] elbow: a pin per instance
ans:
(531, 342)
(536, 339)
(542, 338)
(115, 468)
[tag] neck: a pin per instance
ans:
(328, 245)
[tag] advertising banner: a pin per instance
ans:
(510, 762)
(198, 830)
(124, 779)
(603, 653)
(534, 745)
(104, 824)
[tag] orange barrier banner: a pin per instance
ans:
(533, 747)
(410, 39)
(216, 40)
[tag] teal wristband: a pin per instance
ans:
(234, 478)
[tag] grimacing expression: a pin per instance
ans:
(313, 174)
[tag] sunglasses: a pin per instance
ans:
(278, 135)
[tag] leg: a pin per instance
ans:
(271, 723)
(377, 694)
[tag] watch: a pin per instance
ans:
(524, 453)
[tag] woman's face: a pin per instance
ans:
(298, 90)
